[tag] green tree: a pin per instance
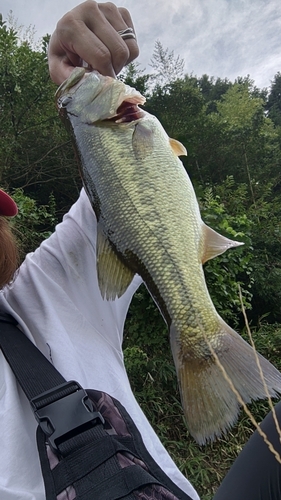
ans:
(167, 67)
(178, 107)
(134, 76)
(212, 90)
(34, 147)
(273, 105)
(245, 142)
(262, 273)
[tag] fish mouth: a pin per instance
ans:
(127, 112)
(117, 103)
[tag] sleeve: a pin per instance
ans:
(78, 256)
(61, 273)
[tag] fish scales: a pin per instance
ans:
(132, 221)
(149, 223)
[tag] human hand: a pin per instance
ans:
(89, 34)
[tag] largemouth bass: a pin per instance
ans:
(149, 223)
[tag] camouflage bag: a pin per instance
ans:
(89, 446)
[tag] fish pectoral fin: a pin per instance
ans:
(113, 276)
(177, 147)
(142, 141)
(215, 244)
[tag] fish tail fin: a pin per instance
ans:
(210, 405)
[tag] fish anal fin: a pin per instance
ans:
(177, 147)
(215, 244)
(113, 276)
(209, 404)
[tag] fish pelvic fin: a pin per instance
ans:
(113, 276)
(210, 406)
(215, 244)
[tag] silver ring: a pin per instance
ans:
(127, 33)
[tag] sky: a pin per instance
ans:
(220, 38)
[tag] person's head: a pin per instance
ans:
(8, 247)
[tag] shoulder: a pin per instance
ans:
(73, 243)
(81, 212)
(81, 219)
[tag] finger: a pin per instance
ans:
(132, 44)
(71, 43)
(89, 33)
(110, 49)
(106, 25)
(101, 58)
(62, 60)
(120, 19)
(57, 60)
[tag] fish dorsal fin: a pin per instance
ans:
(177, 147)
(215, 244)
(113, 276)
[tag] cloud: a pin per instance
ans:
(222, 38)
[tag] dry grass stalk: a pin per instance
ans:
(259, 366)
(240, 400)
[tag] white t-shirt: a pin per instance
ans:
(57, 302)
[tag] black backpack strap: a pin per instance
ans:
(33, 371)
(60, 407)
(75, 448)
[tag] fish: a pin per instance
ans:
(149, 223)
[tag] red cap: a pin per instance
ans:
(8, 208)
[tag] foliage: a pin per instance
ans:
(134, 76)
(273, 105)
(153, 379)
(182, 122)
(233, 268)
(212, 90)
(34, 147)
(167, 67)
(34, 222)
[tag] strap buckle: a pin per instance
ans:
(63, 416)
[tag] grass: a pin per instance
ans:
(153, 380)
